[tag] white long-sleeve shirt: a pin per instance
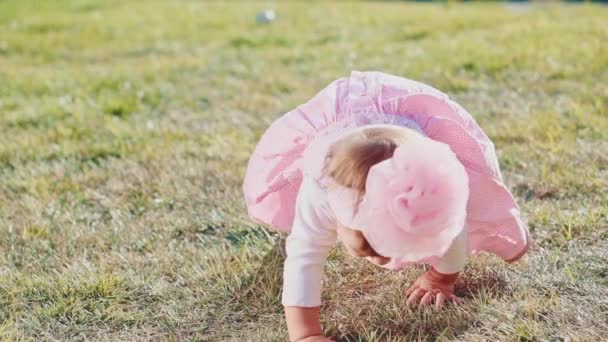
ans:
(312, 237)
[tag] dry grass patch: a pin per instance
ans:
(125, 127)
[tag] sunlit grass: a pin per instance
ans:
(125, 128)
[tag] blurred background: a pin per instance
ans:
(125, 129)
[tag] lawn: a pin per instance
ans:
(125, 129)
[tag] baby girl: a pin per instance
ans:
(396, 171)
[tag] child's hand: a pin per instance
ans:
(433, 286)
(304, 324)
(318, 338)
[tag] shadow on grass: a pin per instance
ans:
(260, 291)
(417, 324)
(484, 283)
(258, 301)
(250, 297)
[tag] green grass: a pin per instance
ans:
(125, 128)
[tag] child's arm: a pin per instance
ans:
(303, 323)
(312, 237)
(437, 284)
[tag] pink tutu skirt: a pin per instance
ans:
(297, 142)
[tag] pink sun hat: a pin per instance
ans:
(414, 205)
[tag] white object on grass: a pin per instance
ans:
(266, 16)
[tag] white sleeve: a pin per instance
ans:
(456, 257)
(312, 237)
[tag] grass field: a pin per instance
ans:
(125, 128)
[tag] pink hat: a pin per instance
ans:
(414, 205)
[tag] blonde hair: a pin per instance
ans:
(350, 158)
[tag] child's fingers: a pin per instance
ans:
(415, 297)
(427, 298)
(452, 297)
(317, 338)
(411, 290)
(440, 300)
